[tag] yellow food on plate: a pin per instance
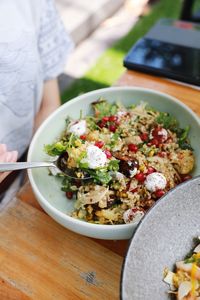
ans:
(185, 280)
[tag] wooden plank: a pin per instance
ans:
(46, 261)
(9, 292)
(188, 95)
(26, 195)
(119, 247)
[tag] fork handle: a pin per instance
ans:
(4, 167)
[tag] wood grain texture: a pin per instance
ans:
(26, 195)
(190, 96)
(43, 260)
(9, 292)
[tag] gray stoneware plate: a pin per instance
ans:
(164, 236)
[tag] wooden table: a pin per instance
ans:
(41, 260)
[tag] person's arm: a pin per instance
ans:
(50, 101)
(6, 156)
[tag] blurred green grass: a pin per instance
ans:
(109, 67)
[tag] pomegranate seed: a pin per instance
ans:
(186, 177)
(132, 147)
(155, 131)
(140, 177)
(159, 193)
(105, 119)
(69, 194)
(101, 124)
(113, 118)
(150, 170)
(155, 142)
(108, 153)
(99, 144)
(83, 137)
(144, 137)
(134, 210)
(134, 190)
(162, 154)
(112, 128)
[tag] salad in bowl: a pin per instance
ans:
(133, 155)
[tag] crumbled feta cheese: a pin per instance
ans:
(155, 181)
(132, 215)
(78, 128)
(121, 113)
(119, 176)
(95, 157)
(163, 133)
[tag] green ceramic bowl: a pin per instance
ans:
(47, 188)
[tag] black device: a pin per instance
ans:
(170, 49)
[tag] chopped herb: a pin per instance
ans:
(168, 121)
(91, 123)
(72, 140)
(67, 121)
(83, 165)
(150, 108)
(182, 135)
(55, 149)
(185, 146)
(101, 176)
(103, 108)
(189, 260)
(114, 139)
(132, 106)
(66, 184)
(113, 165)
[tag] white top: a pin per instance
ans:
(33, 48)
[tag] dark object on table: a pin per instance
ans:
(187, 14)
(170, 49)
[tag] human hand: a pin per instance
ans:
(6, 156)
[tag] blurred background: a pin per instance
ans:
(103, 31)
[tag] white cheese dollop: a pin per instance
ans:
(132, 215)
(78, 128)
(163, 133)
(95, 157)
(155, 181)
